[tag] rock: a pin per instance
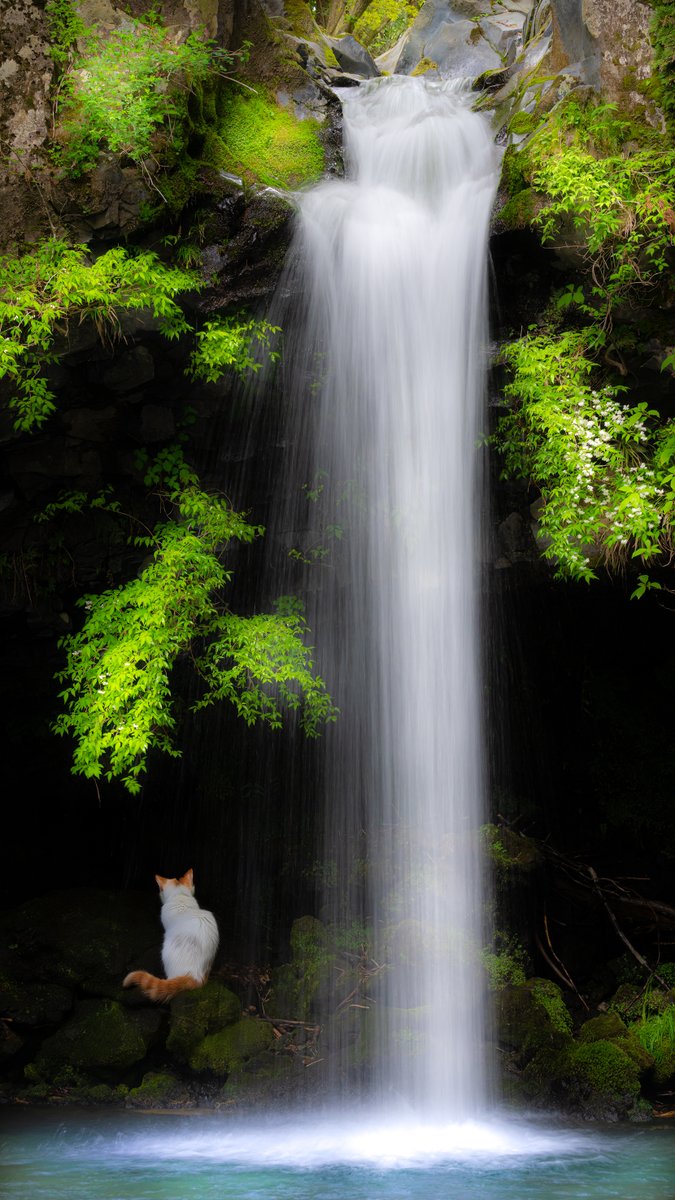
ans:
(455, 44)
(504, 32)
(606, 42)
(160, 1089)
(602, 1028)
(101, 1035)
(227, 1051)
(198, 1014)
(92, 424)
(353, 57)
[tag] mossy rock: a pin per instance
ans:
(100, 1035)
(610, 1028)
(519, 211)
(604, 1069)
(549, 997)
(603, 1028)
(265, 143)
(227, 1051)
(34, 1003)
(196, 1014)
(596, 1079)
(530, 1019)
(159, 1089)
(424, 65)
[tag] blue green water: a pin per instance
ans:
(131, 1156)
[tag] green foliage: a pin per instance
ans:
(118, 701)
(42, 291)
(607, 479)
(230, 343)
(549, 996)
(263, 142)
(382, 23)
(504, 968)
(623, 200)
(128, 84)
(657, 1035)
(65, 27)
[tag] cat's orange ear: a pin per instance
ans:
(161, 881)
(186, 879)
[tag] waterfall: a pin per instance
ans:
(385, 378)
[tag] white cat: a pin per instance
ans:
(190, 942)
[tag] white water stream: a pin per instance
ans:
(391, 384)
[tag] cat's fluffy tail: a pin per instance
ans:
(160, 989)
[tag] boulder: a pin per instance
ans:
(456, 45)
(101, 1035)
(229, 1050)
(199, 1014)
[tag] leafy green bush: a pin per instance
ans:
(40, 292)
(616, 183)
(118, 702)
(124, 87)
(607, 479)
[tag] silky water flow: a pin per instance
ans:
(385, 378)
(387, 375)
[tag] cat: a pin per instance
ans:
(190, 942)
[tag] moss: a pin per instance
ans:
(523, 123)
(196, 1014)
(264, 143)
(604, 1068)
(603, 1028)
(549, 997)
(34, 1003)
(231, 1048)
(100, 1035)
(525, 1025)
(518, 212)
(158, 1089)
(424, 65)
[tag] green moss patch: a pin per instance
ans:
(101, 1035)
(194, 1015)
(230, 1049)
(264, 143)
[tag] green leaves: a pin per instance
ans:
(126, 86)
(606, 478)
(118, 701)
(231, 343)
(41, 292)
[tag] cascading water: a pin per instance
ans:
(387, 374)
